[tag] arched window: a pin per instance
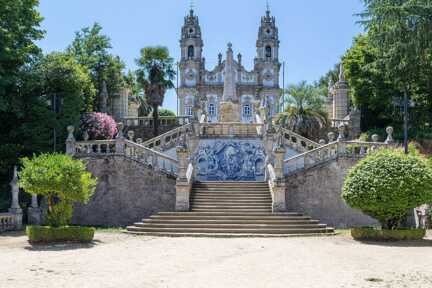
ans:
(268, 52)
(247, 110)
(188, 111)
(191, 52)
(211, 109)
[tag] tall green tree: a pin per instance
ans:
(19, 29)
(401, 30)
(91, 49)
(305, 113)
(155, 75)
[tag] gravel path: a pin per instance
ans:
(120, 260)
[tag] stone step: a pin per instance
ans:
(260, 230)
(231, 210)
(234, 201)
(230, 192)
(229, 226)
(230, 205)
(229, 235)
(232, 195)
(229, 221)
(230, 218)
(231, 213)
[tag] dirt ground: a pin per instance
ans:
(120, 260)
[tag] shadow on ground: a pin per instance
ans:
(416, 243)
(62, 246)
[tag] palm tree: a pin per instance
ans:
(155, 75)
(304, 114)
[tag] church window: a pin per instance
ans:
(246, 110)
(268, 52)
(211, 109)
(188, 110)
(191, 52)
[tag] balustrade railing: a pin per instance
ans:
(138, 152)
(167, 140)
(338, 122)
(6, 222)
(164, 121)
(297, 142)
(239, 130)
(331, 151)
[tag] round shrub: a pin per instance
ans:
(99, 126)
(386, 184)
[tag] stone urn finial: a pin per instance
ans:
(120, 127)
(389, 132)
(375, 138)
(322, 142)
(131, 135)
(341, 130)
(86, 136)
(71, 130)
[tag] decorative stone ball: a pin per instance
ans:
(131, 135)
(322, 142)
(375, 138)
(139, 140)
(331, 136)
(390, 130)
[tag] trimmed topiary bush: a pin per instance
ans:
(62, 179)
(386, 184)
(373, 234)
(46, 234)
(99, 126)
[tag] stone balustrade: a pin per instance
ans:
(227, 130)
(163, 121)
(7, 222)
(339, 122)
(296, 141)
(121, 146)
(167, 140)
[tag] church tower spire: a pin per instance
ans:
(191, 40)
(268, 38)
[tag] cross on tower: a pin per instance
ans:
(192, 4)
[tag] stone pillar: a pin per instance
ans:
(15, 208)
(183, 186)
(278, 188)
(341, 138)
(34, 213)
(70, 141)
(120, 139)
(340, 100)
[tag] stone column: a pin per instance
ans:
(278, 188)
(34, 213)
(70, 141)
(15, 208)
(183, 186)
(120, 139)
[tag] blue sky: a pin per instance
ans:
(313, 33)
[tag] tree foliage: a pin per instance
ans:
(305, 113)
(386, 184)
(155, 75)
(90, 48)
(61, 179)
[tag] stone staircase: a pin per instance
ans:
(230, 209)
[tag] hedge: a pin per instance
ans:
(387, 235)
(48, 234)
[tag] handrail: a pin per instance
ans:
(298, 142)
(142, 147)
(157, 142)
(323, 147)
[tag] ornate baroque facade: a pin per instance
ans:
(204, 90)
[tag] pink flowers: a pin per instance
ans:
(99, 126)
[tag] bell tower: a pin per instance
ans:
(191, 64)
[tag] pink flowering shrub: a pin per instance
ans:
(99, 126)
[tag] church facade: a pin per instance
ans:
(206, 90)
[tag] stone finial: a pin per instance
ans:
(220, 59)
(375, 138)
(331, 136)
(389, 132)
(104, 97)
(322, 142)
(230, 46)
(71, 130)
(139, 141)
(15, 189)
(239, 58)
(131, 135)
(120, 127)
(86, 136)
(341, 130)
(341, 73)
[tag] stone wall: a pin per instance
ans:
(317, 192)
(126, 192)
